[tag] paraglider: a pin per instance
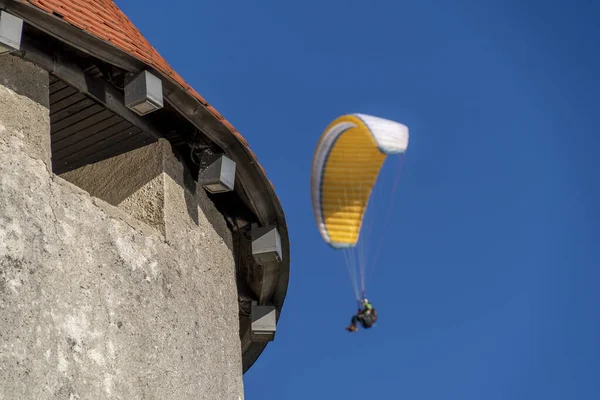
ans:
(346, 165)
(367, 316)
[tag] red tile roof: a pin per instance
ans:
(104, 20)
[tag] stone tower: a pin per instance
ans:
(143, 251)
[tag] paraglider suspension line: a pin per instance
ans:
(388, 214)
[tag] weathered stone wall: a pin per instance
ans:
(130, 297)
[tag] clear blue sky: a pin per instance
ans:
(487, 286)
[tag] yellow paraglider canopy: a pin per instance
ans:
(346, 165)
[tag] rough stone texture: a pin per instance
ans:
(33, 122)
(95, 304)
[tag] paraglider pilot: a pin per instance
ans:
(367, 316)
